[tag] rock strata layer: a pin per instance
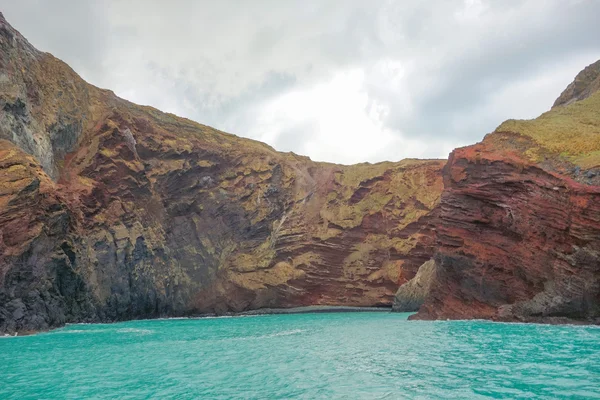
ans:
(113, 211)
(519, 228)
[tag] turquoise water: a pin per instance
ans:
(312, 356)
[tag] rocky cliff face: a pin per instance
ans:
(519, 231)
(110, 211)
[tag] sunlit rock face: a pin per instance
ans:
(519, 228)
(412, 294)
(111, 211)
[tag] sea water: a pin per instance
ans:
(312, 356)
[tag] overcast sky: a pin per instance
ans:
(343, 81)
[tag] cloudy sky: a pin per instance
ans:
(344, 81)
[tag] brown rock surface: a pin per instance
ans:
(121, 211)
(585, 84)
(519, 231)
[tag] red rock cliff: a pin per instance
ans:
(519, 231)
(110, 210)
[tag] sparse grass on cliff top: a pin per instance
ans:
(572, 131)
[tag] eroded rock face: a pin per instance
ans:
(39, 283)
(120, 211)
(411, 295)
(586, 83)
(519, 231)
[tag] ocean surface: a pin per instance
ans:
(370, 355)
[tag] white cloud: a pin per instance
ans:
(345, 127)
(339, 80)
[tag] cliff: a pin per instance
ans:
(519, 230)
(112, 211)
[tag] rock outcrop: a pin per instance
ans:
(411, 295)
(586, 83)
(519, 230)
(112, 211)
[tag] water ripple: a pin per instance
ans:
(312, 356)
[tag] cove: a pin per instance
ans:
(367, 355)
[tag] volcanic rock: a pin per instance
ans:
(112, 211)
(411, 295)
(519, 228)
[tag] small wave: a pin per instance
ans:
(201, 317)
(74, 331)
(284, 333)
(228, 316)
(267, 336)
(135, 330)
(508, 323)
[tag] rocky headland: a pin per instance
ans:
(518, 238)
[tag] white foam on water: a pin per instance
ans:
(74, 331)
(283, 333)
(267, 336)
(7, 336)
(135, 330)
(229, 316)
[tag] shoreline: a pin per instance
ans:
(321, 309)
(310, 309)
(260, 311)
